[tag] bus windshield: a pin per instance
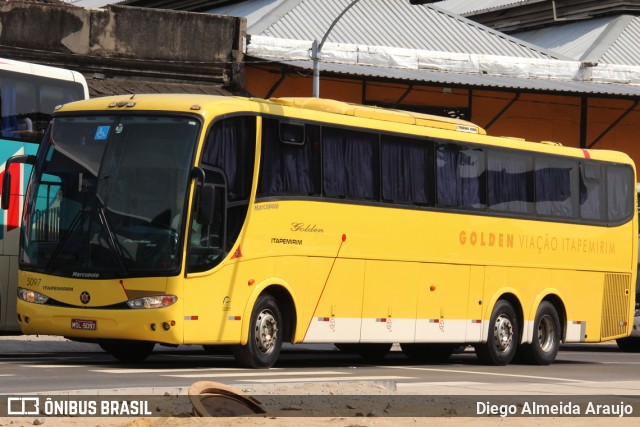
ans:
(109, 196)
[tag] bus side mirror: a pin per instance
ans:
(207, 205)
(6, 190)
(6, 179)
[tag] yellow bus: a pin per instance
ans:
(182, 219)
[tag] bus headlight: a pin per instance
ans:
(158, 301)
(32, 296)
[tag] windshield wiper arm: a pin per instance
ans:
(72, 227)
(111, 239)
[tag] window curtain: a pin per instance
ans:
(509, 183)
(620, 189)
(460, 177)
(591, 192)
(348, 164)
(287, 168)
(405, 167)
(230, 147)
(553, 189)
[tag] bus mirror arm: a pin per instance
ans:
(6, 179)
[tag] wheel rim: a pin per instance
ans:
(546, 333)
(503, 333)
(266, 333)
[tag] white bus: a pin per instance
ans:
(28, 95)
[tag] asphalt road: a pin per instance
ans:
(55, 365)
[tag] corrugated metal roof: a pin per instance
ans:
(610, 40)
(476, 80)
(573, 40)
(625, 49)
(394, 23)
(464, 7)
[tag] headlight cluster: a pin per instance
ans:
(152, 302)
(32, 296)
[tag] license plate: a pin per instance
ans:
(85, 325)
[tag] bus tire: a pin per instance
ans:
(265, 335)
(629, 344)
(371, 352)
(428, 353)
(546, 337)
(502, 341)
(129, 351)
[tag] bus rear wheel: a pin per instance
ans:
(502, 341)
(546, 337)
(265, 335)
(428, 353)
(129, 351)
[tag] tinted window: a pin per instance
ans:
(509, 185)
(460, 176)
(556, 185)
(288, 166)
(620, 190)
(591, 192)
(406, 170)
(27, 102)
(350, 164)
(230, 146)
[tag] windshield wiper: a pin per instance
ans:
(74, 224)
(111, 239)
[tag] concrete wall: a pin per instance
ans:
(132, 38)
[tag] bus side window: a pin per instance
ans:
(591, 192)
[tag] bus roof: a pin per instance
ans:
(41, 70)
(376, 113)
(207, 105)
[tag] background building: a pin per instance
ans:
(565, 72)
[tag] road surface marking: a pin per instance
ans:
(55, 366)
(142, 370)
(326, 379)
(252, 374)
(534, 377)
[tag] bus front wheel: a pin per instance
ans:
(546, 337)
(265, 335)
(502, 341)
(129, 351)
